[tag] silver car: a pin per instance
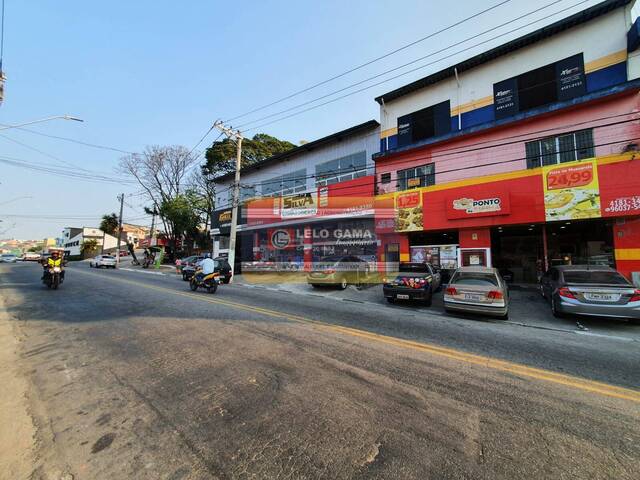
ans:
(477, 290)
(8, 258)
(100, 261)
(590, 290)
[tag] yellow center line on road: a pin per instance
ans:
(488, 362)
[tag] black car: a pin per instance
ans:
(221, 266)
(413, 281)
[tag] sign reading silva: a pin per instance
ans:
(465, 207)
(302, 205)
(571, 191)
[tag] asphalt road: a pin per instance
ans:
(133, 376)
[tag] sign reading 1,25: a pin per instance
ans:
(569, 177)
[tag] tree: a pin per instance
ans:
(88, 247)
(162, 173)
(110, 224)
(221, 156)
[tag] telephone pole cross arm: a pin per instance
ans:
(235, 198)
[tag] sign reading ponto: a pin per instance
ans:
(465, 207)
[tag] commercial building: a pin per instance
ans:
(521, 157)
(74, 237)
(305, 204)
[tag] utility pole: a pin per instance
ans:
(121, 198)
(231, 134)
(153, 225)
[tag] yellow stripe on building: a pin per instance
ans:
(467, 107)
(627, 253)
(606, 61)
(388, 132)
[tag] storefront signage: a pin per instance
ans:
(302, 205)
(623, 205)
(465, 207)
(323, 197)
(280, 238)
(408, 212)
(221, 222)
(338, 236)
(570, 75)
(571, 191)
(505, 98)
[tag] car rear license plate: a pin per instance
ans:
(472, 296)
(402, 297)
(602, 297)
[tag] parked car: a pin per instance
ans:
(221, 266)
(187, 261)
(99, 261)
(413, 281)
(477, 290)
(339, 270)
(32, 257)
(590, 290)
(8, 258)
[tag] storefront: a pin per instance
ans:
(522, 222)
(293, 231)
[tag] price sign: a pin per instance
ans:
(568, 177)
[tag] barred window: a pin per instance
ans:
(560, 149)
(415, 177)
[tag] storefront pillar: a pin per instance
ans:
(475, 247)
(307, 244)
(626, 242)
(256, 247)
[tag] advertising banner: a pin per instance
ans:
(505, 98)
(408, 212)
(221, 222)
(302, 205)
(571, 191)
(486, 205)
(570, 75)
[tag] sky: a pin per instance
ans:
(159, 72)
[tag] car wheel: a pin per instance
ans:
(542, 292)
(427, 301)
(226, 280)
(343, 283)
(554, 309)
(391, 300)
(184, 277)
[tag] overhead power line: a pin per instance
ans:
(313, 107)
(365, 64)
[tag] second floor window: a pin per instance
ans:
(293, 182)
(342, 169)
(559, 149)
(415, 177)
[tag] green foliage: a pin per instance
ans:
(221, 156)
(109, 224)
(89, 246)
(36, 249)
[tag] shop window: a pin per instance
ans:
(342, 169)
(416, 177)
(293, 182)
(559, 149)
(423, 124)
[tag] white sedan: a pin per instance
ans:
(108, 261)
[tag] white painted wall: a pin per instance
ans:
(366, 141)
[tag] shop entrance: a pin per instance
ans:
(518, 252)
(584, 242)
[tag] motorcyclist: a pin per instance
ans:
(55, 260)
(207, 267)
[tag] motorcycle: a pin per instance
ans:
(53, 277)
(210, 282)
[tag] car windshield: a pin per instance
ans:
(108, 257)
(475, 278)
(414, 267)
(594, 276)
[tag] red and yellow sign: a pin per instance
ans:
(408, 210)
(571, 191)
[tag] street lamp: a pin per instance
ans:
(56, 117)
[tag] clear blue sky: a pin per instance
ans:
(159, 72)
